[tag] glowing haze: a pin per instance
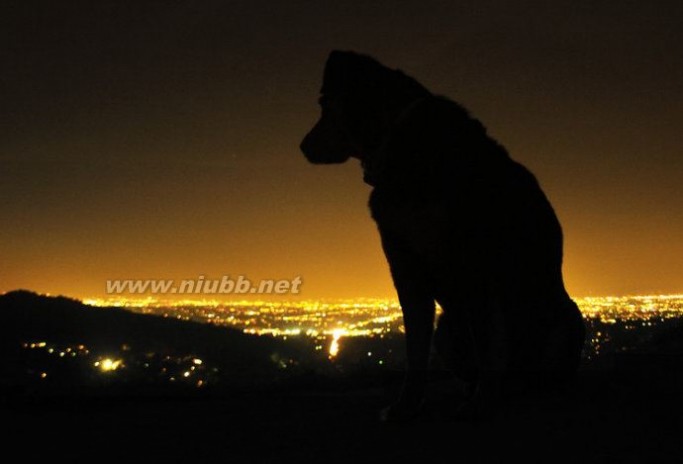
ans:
(161, 141)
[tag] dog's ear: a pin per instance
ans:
(347, 71)
(353, 73)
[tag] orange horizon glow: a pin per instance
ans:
(169, 148)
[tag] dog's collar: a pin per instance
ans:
(374, 162)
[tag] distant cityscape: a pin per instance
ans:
(328, 322)
(335, 336)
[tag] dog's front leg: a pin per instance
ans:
(415, 294)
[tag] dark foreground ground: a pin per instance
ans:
(621, 415)
(269, 401)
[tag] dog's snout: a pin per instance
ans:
(325, 144)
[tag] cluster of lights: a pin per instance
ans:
(641, 309)
(329, 321)
(57, 350)
(189, 368)
(108, 364)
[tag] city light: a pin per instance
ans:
(108, 364)
(334, 345)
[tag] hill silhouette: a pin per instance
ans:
(29, 317)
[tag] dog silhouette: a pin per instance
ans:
(461, 224)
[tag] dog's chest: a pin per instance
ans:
(422, 226)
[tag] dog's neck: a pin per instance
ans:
(374, 161)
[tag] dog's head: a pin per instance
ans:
(359, 98)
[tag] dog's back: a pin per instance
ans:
(480, 221)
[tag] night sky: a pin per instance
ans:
(160, 139)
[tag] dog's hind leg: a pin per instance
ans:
(489, 353)
(565, 341)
